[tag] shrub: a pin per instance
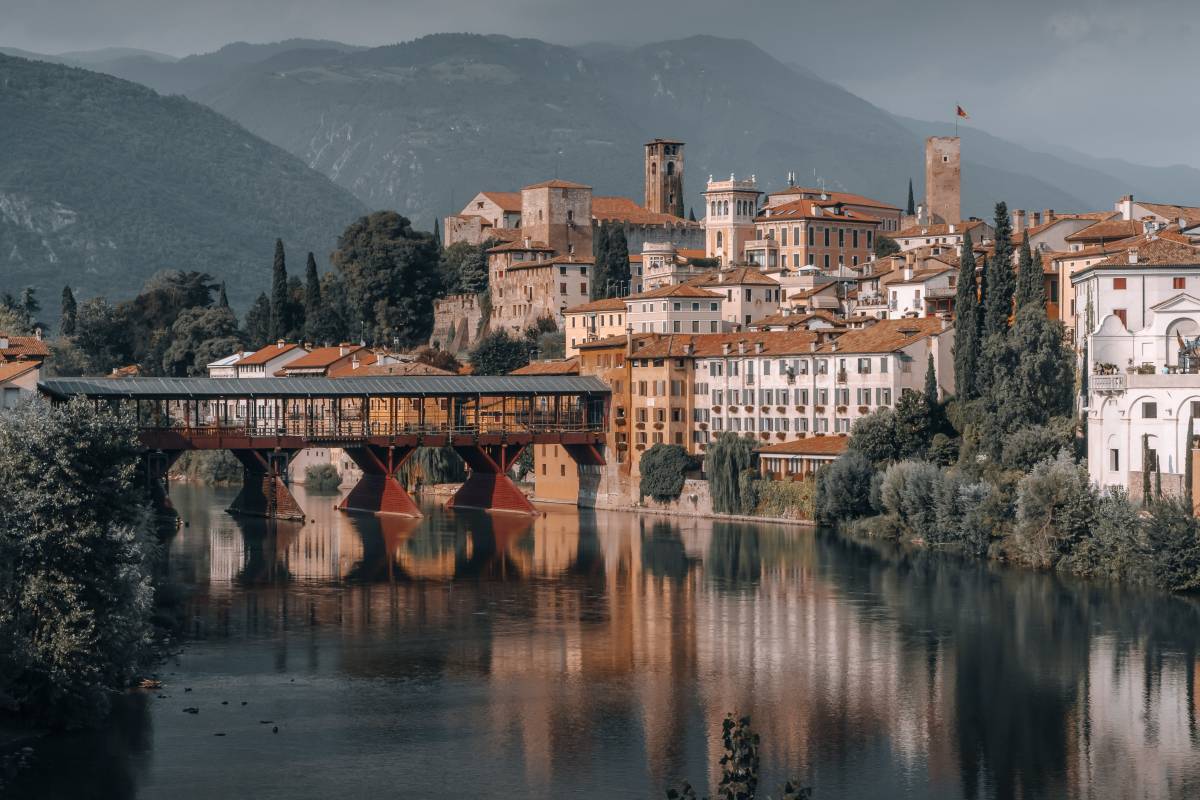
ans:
(875, 436)
(909, 492)
(1056, 509)
(748, 491)
(943, 450)
(1116, 547)
(75, 547)
(1024, 448)
(664, 468)
(1171, 533)
(322, 478)
(787, 499)
(982, 509)
(843, 488)
(213, 467)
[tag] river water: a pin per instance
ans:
(594, 655)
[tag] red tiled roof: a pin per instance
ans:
(1107, 229)
(939, 229)
(520, 246)
(15, 369)
(607, 304)
(885, 336)
(839, 197)
(622, 209)
(556, 183)
(812, 209)
(508, 201)
(561, 366)
(266, 354)
(1154, 252)
(674, 290)
(24, 346)
(324, 357)
(401, 368)
(809, 446)
(707, 345)
(749, 276)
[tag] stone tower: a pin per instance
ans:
(730, 209)
(664, 177)
(943, 179)
(559, 214)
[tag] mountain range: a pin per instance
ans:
(421, 126)
(105, 182)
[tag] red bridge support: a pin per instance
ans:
(378, 491)
(264, 485)
(488, 486)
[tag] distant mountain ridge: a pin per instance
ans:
(104, 182)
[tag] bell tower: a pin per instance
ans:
(664, 177)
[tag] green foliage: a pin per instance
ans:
(617, 266)
(322, 478)
(1030, 289)
(257, 326)
(432, 465)
(102, 336)
(943, 450)
(13, 322)
(312, 296)
(75, 593)
(664, 468)
(1116, 547)
(999, 302)
(152, 180)
(728, 457)
(885, 246)
(600, 278)
(740, 764)
(909, 493)
(330, 325)
(199, 337)
(966, 308)
(281, 322)
(499, 354)
(1056, 509)
(69, 311)
(464, 268)
(914, 425)
(1172, 537)
(931, 384)
(786, 499)
(524, 465)
(1029, 445)
(442, 359)
(874, 436)
(844, 488)
(213, 467)
(391, 276)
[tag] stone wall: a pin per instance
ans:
(457, 323)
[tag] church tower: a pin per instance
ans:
(664, 177)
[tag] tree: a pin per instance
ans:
(280, 321)
(69, 312)
(1147, 466)
(151, 314)
(844, 488)
(1173, 539)
(437, 232)
(911, 210)
(391, 278)
(998, 305)
(1040, 369)
(474, 270)
(914, 424)
(874, 436)
(75, 544)
(617, 266)
(464, 268)
(258, 322)
(691, 214)
(442, 359)
(727, 459)
(102, 335)
(1056, 510)
(329, 325)
(600, 277)
(199, 337)
(966, 343)
(885, 246)
(931, 384)
(30, 304)
(312, 296)
(664, 468)
(222, 298)
(499, 354)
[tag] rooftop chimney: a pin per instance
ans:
(1035, 219)
(812, 346)
(354, 362)
(1018, 220)
(742, 346)
(725, 348)
(688, 348)
(280, 344)
(1125, 206)
(1133, 255)
(758, 346)
(1048, 215)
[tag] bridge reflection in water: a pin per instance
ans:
(378, 421)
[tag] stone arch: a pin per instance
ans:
(670, 167)
(1184, 327)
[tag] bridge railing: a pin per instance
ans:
(347, 430)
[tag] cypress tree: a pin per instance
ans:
(966, 343)
(1145, 469)
(1029, 277)
(312, 296)
(279, 295)
(999, 304)
(600, 276)
(618, 262)
(222, 298)
(912, 205)
(437, 233)
(931, 386)
(1187, 467)
(69, 310)
(691, 214)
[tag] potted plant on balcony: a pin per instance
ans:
(864, 410)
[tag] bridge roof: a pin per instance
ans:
(378, 385)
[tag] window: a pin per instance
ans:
(883, 364)
(864, 397)
(1114, 459)
(841, 237)
(827, 261)
(855, 239)
(864, 366)
(1196, 408)
(1151, 461)
(1179, 283)
(1119, 284)
(562, 288)
(1149, 410)
(1119, 313)
(812, 236)
(826, 237)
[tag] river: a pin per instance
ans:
(594, 655)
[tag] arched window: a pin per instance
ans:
(653, 168)
(670, 167)
(720, 238)
(712, 208)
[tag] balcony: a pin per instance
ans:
(940, 293)
(1107, 383)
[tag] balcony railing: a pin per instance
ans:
(1107, 383)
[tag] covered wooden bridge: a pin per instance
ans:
(379, 421)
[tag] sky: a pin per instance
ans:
(1101, 77)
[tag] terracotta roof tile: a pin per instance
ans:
(607, 304)
(939, 229)
(520, 246)
(1107, 229)
(813, 209)
(325, 357)
(809, 446)
(266, 354)
(622, 209)
(556, 183)
(885, 336)
(738, 276)
(508, 201)
(401, 368)
(707, 345)
(838, 197)
(674, 290)
(24, 346)
(15, 369)
(1154, 252)
(561, 366)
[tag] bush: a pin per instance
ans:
(1024, 448)
(843, 488)
(1056, 509)
(664, 468)
(1171, 533)
(786, 499)
(909, 492)
(322, 478)
(75, 552)
(1116, 548)
(213, 467)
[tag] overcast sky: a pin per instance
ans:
(1103, 77)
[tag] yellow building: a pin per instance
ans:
(592, 321)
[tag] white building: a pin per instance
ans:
(730, 209)
(1142, 385)
(678, 308)
(227, 367)
(749, 295)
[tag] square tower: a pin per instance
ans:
(558, 213)
(730, 209)
(943, 180)
(664, 177)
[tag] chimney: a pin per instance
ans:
(758, 347)
(343, 348)
(725, 348)
(1035, 219)
(1133, 255)
(1018, 220)
(833, 345)
(1125, 206)
(354, 362)
(812, 346)
(742, 347)
(1048, 215)
(951, 227)
(280, 344)
(528, 241)
(1148, 225)
(3, 341)
(688, 348)
(945, 321)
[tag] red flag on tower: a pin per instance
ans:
(962, 113)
